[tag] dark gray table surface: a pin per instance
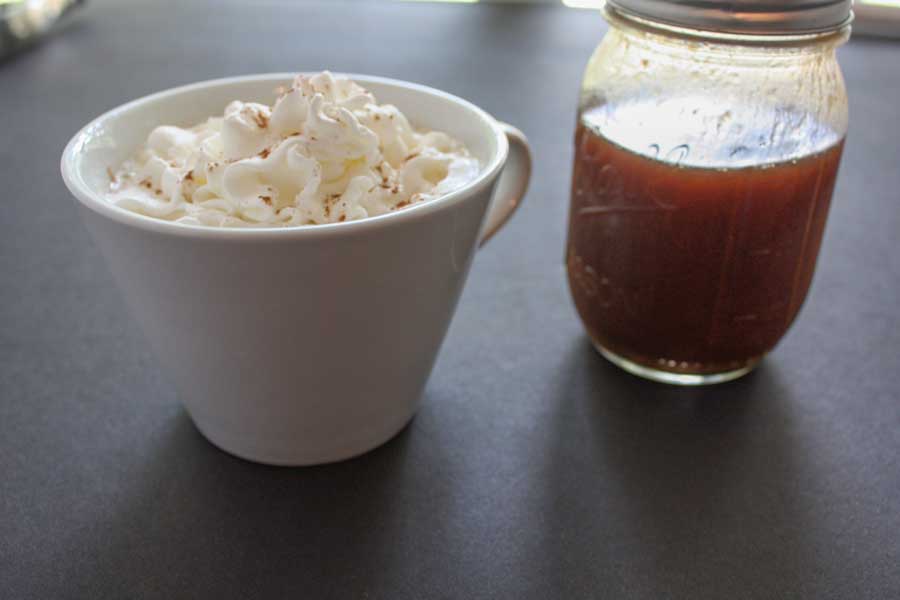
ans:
(534, 469)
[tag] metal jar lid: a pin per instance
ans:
(755, 17)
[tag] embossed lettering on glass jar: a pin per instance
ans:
(704, 167)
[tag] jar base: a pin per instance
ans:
(658, 375)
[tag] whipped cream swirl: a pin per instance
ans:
(325, 152)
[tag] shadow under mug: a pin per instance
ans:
(304, 345)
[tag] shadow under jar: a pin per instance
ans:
(706, 152)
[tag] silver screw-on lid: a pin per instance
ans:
(765, 17)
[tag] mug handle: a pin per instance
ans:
(512, 185)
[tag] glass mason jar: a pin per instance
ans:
(707, 146)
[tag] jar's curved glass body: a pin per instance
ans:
(704, 168)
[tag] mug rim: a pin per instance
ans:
(76, 184)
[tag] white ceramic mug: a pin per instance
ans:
(304, 345)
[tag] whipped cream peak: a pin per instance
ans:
(324, 152)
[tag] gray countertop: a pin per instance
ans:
(534, 469)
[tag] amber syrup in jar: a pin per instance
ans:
(688, 255)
